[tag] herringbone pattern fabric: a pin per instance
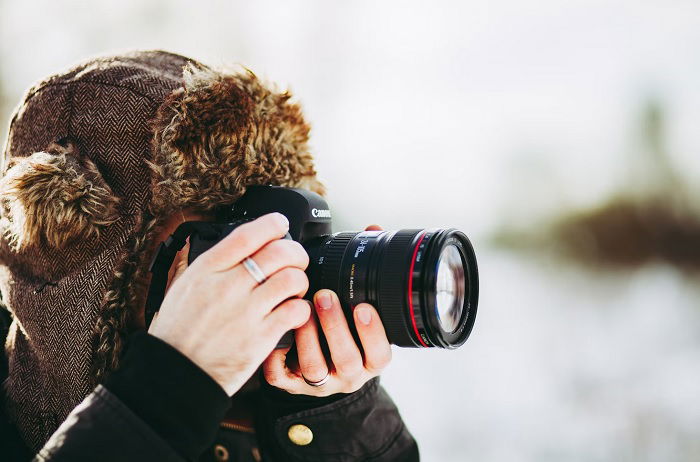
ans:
(104, 104)
(96, 159)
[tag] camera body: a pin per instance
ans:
(308, 214)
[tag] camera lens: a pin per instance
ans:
(450, 287)
(423, 282)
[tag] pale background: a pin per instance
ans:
(486, 116)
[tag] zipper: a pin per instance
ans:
(238, 427)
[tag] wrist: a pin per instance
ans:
(196, 354)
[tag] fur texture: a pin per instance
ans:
(224, 131)
(51, 197)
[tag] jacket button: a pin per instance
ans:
(221, 453)
(300, 435)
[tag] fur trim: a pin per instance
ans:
(224, 131)
(52, 197)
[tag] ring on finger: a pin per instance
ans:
(320, 382)
(254, 270)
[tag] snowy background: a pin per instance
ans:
(485, 116)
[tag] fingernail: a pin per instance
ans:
(282, 219)
(324, 300)
(364, 315)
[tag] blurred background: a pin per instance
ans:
(560, 136)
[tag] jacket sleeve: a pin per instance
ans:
(103, 428)
(158, 405)
(360, 426)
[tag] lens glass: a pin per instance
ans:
(449, 288)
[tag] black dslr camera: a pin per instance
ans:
(423, 282)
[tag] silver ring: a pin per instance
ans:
(254, 270)
(320, 382)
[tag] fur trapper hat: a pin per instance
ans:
(97, 158)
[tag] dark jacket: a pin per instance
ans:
(161, 406)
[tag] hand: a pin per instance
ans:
(217, 315)
(349, 371)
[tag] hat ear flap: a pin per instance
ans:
(53, 197)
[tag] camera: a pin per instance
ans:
(424, 283)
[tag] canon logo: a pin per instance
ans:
(320, 213)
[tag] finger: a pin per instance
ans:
(288, 282)
(345, 354)
(373, 337)
(288, 315)
(312, 363)
(277, 373)
(277, 255)
(374, 228)
(243, 241)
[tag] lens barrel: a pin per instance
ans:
(397, 272)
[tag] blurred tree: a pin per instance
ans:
(651, 219)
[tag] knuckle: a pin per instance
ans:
(295, 310)
(272, 221)
(279, 280)
(375, 366)
(380, 361)
(288, 253)
(314, 371)
(242, 237)
(288, 277)
(268, 225)
(348, 365)
(351, 386)
(345, 388)
(272, 377)
(293, 253)
(302, 254)
(297, 279)
(278, 248)
(281, 323)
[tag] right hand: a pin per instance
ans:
(218, 316)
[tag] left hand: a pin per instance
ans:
(349, 371)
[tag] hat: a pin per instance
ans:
(97, 158)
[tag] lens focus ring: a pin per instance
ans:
(393, 288)
(332, 259)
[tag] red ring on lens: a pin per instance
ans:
(410, 291)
